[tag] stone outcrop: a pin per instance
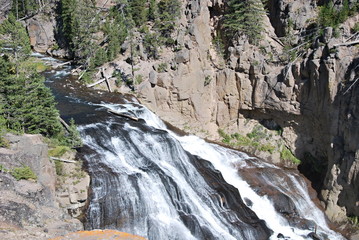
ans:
(41, 32)
(28, 208)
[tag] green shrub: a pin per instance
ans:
(355, 29)
(267, 148)
(207, 80)
(59, 167)
(162, 67)
(138, 79)
(4, 143)
(58, 151)
(286, 154)
(257, 133)
(3, 169)
(354, 220)
(24, 172)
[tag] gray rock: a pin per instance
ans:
(182, 56)
(327, 35)
(153, 77)
(41, 32)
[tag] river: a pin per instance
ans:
(150, 181)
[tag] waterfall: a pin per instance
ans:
(148, 181)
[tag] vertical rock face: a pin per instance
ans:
(28, 207)
(41, 32)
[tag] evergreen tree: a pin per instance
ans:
(23, 8)
(152, 10)
(28, 105)
(245, 17)
(115, 30)
(79, 25)
(16, 39)
(151, 45)
(168, 10)
(138, 11)
(73, 138)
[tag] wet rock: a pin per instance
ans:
(314, 236)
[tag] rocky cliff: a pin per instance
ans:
(36, 209)
(310, 98)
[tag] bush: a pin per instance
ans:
(355, 28)
(162, 67)
(24, 172)
(58, 151)
(286, 154)
(59, 167)
(4, 143)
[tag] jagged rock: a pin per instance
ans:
(327, 35)
(29, 150)
(281, 12)
(152, 78)
(28, 206)
(41, 32)
(182, 56)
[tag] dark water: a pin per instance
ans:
(146, 180)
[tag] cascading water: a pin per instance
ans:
(146, 180)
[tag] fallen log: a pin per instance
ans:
(346, 43)
(123, 115)
(62, 64)
(65, 124)
(98, 82)
(62, 160)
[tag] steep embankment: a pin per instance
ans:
(309, 93)
(36, 208)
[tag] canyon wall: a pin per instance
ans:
(312, 98)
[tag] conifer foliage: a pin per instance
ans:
(245, 17)
(26, 105)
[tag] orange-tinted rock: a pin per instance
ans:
(99, 234)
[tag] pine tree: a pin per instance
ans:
(73, 138)
(138, 11)
(152, 10)
(115, 30)
(168, 10)
(26, 104)
(79, 24)
(16, 39)
(245, 17)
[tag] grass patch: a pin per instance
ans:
(286, 154)
(162, 67)
(58, 151)
(24, 172)
(354, 220)
(251, 140)
(4, 143)
(34, 63)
